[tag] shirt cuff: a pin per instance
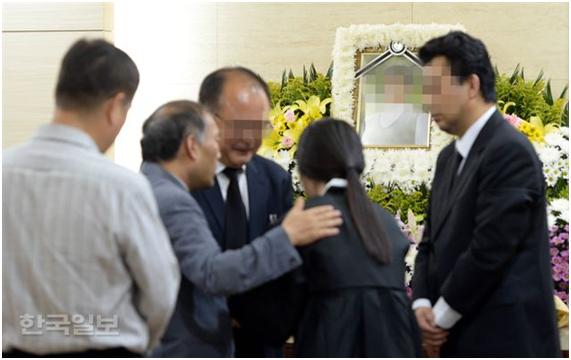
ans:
(444, 316)
(422, 302)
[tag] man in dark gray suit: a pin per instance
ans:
(180, 149)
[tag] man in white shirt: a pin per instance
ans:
(483, 262)
(250, 196)
(88, 269)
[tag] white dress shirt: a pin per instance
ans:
(87, 262)
(444, 315)
(464, 144)
(224, 183)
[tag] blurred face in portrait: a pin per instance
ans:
(243, 119)
(396, 89)
(445, 95)
(207, 153)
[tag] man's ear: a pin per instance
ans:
(191, 147)
(116, 109)
(473, 86)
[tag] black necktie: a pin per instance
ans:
(235, 219)
(457, 161)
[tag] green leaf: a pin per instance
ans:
(312, 72)
(565, 116)
(515, 75)
(547, 95)
(539, 78)
(290, 75)
(329, 71)
(284, 79)
(564, 92)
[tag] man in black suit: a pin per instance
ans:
(482, 283)
(250, 196)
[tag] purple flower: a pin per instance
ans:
(513, 119)
(553, 251)
(287, 142)
(556, 240)
(289, 116)
(557, 261)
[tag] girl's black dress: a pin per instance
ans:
(354, 306)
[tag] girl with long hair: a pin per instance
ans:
(356, 304)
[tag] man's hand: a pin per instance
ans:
(432, 336)
(307, 226)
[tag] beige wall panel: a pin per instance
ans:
(536, 35)
(30, 65)
(80, 16)
(178, 48)
(271, 37)
(108, 17)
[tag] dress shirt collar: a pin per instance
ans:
(335, 182)
(220, 167)
(464, 144)
(69, 134)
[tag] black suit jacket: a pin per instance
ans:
(265, 313)
(486, 249)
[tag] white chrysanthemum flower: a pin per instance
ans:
(558, 209)
(549, 155)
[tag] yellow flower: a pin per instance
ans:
(289, 123)
(532, 131)
(542, 129)
(313, 107)
(270, 144)
(277, 118)
(562, 312)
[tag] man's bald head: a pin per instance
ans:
(212, 88)
(240, 102)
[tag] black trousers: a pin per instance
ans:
(114, 352)
(248, 346)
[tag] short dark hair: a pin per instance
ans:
(466, 55)
(212, 86)
(331, 148)
(168, 126)
(93, 71)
